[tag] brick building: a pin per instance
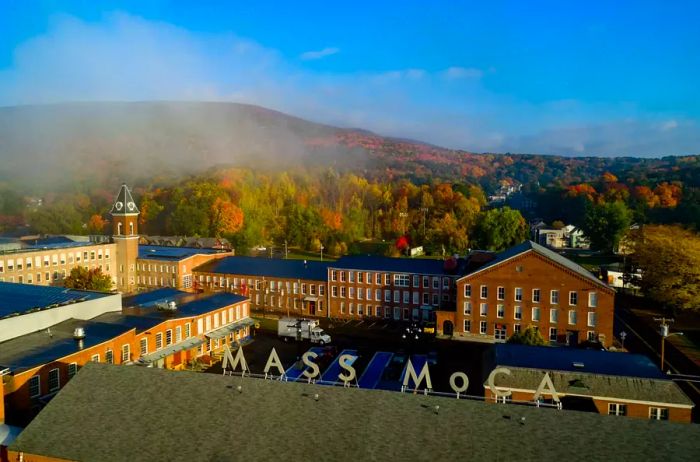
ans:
(608, 383)
(530, 285)
(284, 286)
(163, 266)
(396, 288)
(41, 352)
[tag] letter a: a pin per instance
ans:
(546, 383)
(274, 361)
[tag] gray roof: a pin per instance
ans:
(584, 384)
(124, 204)
(530, 246)
(124, 413)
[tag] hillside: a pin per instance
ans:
(47, 147)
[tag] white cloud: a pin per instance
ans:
(312, 55)
(456, 72)
(669, 125)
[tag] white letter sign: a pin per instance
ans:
(411, 374)
(306, 359)
(274, 361)
(546, 382)
(492, 382)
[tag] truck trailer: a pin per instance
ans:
(302, 329)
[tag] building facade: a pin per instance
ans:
(529, 285)
(163, 266)
(125, 216)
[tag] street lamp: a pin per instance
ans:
(664, 331)
(623, 336)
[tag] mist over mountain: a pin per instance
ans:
(45, 147)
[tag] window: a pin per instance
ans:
(436, 283)
(482, 327)
(501, 293)
(445, 283)
(126, 354)
(591, 319)
(95, 358)
(483, 309)
(169, 332)
(377, 294)
(484, 292)
(554, 297)
(351, 276)
(516, 328)
(535, 295)
(396, 296)
(360, 307)
(378, 278)
(109, 356)
(658, 413)
(334, 291)
(416, 298)
(54, 380)
(593, 299)
(590, 335)
(406, 297)
(159, 340)
(387, 279)
(554, 315)
(334, 275)
(518, 294)
(436, 299)
(426, 282)
(500, 311)
(573, 298)
(342, 276)
(352, 292)
(467, 325)
(617, 409)
(188, 329)
(535, 314)
(552, 334)
(72, 370)
(467, 308)
(143, 346)
(467, 290)
(342, 307)
(416, 280)
(426, 298)
(401, 280)
(178, 332)
(343, 292)
(499, 332)
(572, 317)
(368, 294)
(34, 386)
(518, 312)
(351, 309)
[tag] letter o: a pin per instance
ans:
(465, 382)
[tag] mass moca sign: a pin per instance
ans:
(459, 381)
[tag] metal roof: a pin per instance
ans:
(396, 265)
(16, 298)
(268, 267)
(576, 360)
(153, 297)
(528, 246)
(124, 204)
(161, 252)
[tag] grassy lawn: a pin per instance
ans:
(593, 262)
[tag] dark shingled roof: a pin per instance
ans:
(528, 246)
(117, 413)
(396, 265)
(268, 267)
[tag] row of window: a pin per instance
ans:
(399, 296)
(147, 267)
(47, 276)
(655, 413)
(399, 279)
(288, 302)
(54, 378)
(536, 295)
(535, 313)
(148, 281)
(20, 264)
(500, 331)
(270, 285)
(397, 312)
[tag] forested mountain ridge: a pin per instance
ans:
(86, 145)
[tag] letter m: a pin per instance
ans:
(417, 379)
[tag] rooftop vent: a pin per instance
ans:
(79, 333)
(578, 365)
(167, 306)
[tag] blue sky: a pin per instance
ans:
(560, 77)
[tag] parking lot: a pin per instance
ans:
(366, 338)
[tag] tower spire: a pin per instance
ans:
(124, 203)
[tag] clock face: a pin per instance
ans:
(119, 205)
(131, 206)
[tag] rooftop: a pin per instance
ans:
(576, 360)
(161, 252)
(153, 297)
(16, 299)
(396, 265)
(268, 267)
(45, 346)
(528, 246)
(189, 305)
(350, 424)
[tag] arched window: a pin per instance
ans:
(119, 229)
(131, 228)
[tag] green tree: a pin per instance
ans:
(669, 257)
(84, 279)
(58, 218)
(500, 228)
(529, 336)
(606, 224)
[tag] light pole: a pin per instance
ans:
(623, 336)
(321, 252)
(664, 331)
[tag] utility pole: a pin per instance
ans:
(285, 249)
(424, 210)
(664, 331)
(321, 252)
